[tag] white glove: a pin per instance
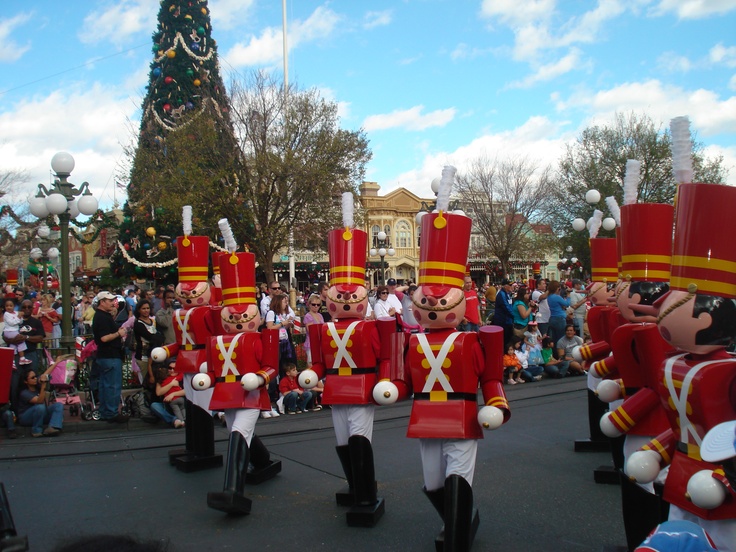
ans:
(385, 392)
(251, 381)
(608, 391)
(490, 417)
(158, 354)
(643, 466)
(705, 491)
(308, 379)
(201, 382)
(576, 354)
(607, 427)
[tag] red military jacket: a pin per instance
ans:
(231, 356)
(347, 357)
(698, 394)
(445, 368)
(193, 328)
(639, 351)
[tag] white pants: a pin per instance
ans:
(242, 420)
(352, 419)
(723, 532)
(442, 458)
(197, 397)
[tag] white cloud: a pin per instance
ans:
(409, 119)
(694, 9)
(87, 121)
(374, 19)
(674, 63)
(9, 49)
(464, 51)
(229, 14)
(720, 54)
(732, 83)
(117, 22)
(268, 48)
(539, 139)
(709, 114)
(551, 71)
(508, 10)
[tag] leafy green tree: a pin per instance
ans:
(505, 199)
(597, 160)
(297, 161)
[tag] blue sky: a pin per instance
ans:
(430, 81)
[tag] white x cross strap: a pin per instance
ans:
(226, 352)
(186, 338)
(680, 400)
(342, 344)
(435, 362)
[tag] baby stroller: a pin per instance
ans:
(63, 381)
(86, 353)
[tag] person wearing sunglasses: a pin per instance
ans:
(273, 287)
(313, 316)
(383, 308)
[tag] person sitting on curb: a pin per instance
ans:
(296, 399)
(32, 408)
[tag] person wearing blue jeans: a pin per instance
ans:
(160, 410)
(109, 339)
(32, 408)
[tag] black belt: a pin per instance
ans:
(194, 347)
(224, 380)
(353, 371)
(450, 397)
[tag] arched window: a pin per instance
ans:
(403, 234)
(375, 229)
(387, 229)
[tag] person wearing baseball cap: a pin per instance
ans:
(109, 339)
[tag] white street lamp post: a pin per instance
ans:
(384, 248)
(61, 200)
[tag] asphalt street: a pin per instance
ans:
(534, 493)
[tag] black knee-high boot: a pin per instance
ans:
(263, 468)
(642, 512)
(232, 499)
(345, 497)
(461, 522)
(368, 508)
(437, 498)
(200, 444)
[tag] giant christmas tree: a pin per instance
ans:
(186, 149)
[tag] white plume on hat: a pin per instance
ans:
(614, 209)
(682, 161)
(227, 234)
(186, 216)
(594, 224)
(446, 182)
(631, 181)
(348, 210)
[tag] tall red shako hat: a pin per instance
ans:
(347, 247)
(700, 255)
(646, 241)
(443, 253)
(11, 275)
(237, 273)
(193, 253)
(603, 259)
(215, 291)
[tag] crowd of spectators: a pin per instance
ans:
(542, 324)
